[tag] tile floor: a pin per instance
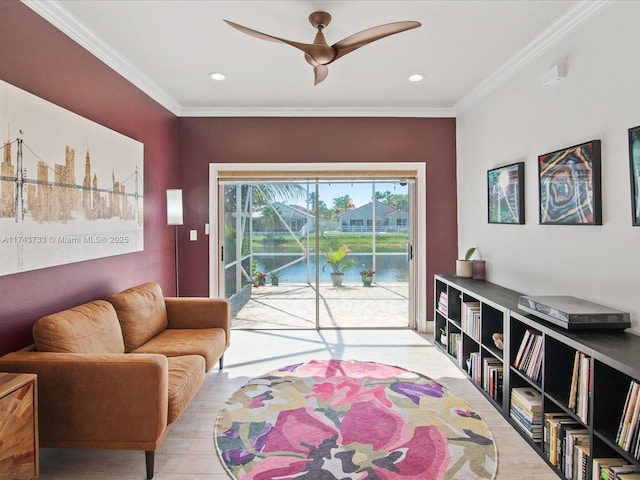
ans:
(188, 452)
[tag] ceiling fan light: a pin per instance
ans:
(217, 76)
(416, 77)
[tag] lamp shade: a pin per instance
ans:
(174, 207)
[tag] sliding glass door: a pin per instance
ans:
(313, 254)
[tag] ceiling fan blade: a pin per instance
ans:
(316, 51)
(360, 39)
(320, 72)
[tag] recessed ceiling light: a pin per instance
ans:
(217, 76)
(416, 77)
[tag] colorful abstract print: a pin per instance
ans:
(570, 185)
(347, 420)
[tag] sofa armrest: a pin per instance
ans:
(97, 400)
(198, 312)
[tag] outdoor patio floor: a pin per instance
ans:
(293, 305)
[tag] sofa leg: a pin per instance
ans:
(221, 362)
(149, 457)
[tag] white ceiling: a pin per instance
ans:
(464, 48)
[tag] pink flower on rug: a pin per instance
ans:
(350, 369)
(370, 423)
(426, 456)
(349, 391)
(294, 430)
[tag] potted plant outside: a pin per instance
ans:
(367, 277)
(275, 278)
(337, 260)
(464, 268)
(260, 279)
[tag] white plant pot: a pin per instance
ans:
(464, 268)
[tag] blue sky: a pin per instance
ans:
(360, 192)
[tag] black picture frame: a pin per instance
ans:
(569, 185)
(505, 194)
(634, 172)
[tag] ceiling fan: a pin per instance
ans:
(319, 54)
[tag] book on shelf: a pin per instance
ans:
(529, 357)
(629, 476)
(627, 434)
(550, 435)
(561, 439)
(526, 410)
(573, 437)
(474, 368)
(580, 387)
(582, 462)
(470, 319)
(492, 377)
(443, 303)
(615, 471)
(600, 465)
(454, 344)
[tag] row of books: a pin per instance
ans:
(470, 319)
(454, 346)
(492, 374)
(628, 436)
(529, 357)
(613, 468)
(580, 388)
(473, 367)
(525, 410)
(443, 303)
(566, 445)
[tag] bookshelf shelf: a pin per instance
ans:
(583, 379)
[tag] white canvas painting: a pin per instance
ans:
(70, 190)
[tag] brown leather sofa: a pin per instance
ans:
(117, 373)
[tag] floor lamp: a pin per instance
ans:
(174, 217)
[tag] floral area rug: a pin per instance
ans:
(348, 420)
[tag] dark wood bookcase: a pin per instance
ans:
(611, 359)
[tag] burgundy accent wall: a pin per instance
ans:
(322, 141)
(40, 59)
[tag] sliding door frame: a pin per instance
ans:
(418, 311)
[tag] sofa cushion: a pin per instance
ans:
(210, 343)
(186, 375)
(141, 312)
(89, 328)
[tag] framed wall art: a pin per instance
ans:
(634, 164)
(71, 190)
(505, 192)
(569, 185)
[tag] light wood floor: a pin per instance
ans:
(188, 452)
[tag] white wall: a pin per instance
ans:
(599, 99)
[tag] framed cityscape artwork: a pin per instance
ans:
(634, 164)
(71, 190)
(569, 185)
(505, 192)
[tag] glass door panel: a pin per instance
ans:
(293, 262)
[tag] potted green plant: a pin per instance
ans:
(337, 260)
(366, 276)
(464, 267)
(275, 278)
(443, 336)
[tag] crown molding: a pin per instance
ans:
(59, 17)
(573, 18)
(316, 112)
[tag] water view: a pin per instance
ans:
(389, 268)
